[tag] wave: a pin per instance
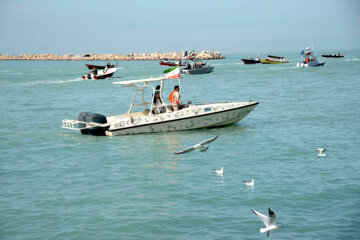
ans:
(282, 68)
(352, 60)
(52, 81)
(227, 64)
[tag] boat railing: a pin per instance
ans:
(74, 124)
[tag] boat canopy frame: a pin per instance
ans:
(140, 85)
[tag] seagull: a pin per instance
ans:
(249, 184)
(270, 222)
(203, 146)
(321, 152)
(220, 171)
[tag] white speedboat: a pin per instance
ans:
(309, 59)
(97, 74)
(159, 117)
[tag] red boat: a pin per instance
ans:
(165, 62)
(90, 66)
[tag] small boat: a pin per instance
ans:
(90, 66)
(166, 62)
(251, 61)
(196, 67)
(100, 74)
(273, 60)
(159, 116)
(309, 59)
(332, 55)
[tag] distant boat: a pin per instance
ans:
(165, 62)
(196, 67)
(333, 55)
(250, 61)
(310, 60)
(273, 60)
(90, 66)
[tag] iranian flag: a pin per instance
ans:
(192, 54)
(173, 72)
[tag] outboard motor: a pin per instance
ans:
(92, 117)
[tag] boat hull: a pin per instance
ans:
(194, 117)
(250, 61)
(90, 66)
(198, 71)
(311, 64)
(101, 75)
(170, 64)
(272, 62)
(332, 56)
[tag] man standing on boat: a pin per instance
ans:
(174, 98)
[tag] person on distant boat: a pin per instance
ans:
(95, 72)
(157, 101)
(174, 98)
(307, 60)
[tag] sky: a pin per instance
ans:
(148, 26)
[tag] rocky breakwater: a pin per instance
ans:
(112, 57)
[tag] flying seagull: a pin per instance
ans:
(321, 152)
(220, 171)
(202, 147)
(250, 184)
(269, 221)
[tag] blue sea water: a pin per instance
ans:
(59, 184)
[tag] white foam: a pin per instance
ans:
(352, 60)
(52, 81)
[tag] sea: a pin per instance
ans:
(59, 184)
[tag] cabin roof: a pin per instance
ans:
(146, 80)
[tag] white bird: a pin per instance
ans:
(250, 184)
(270, 222)
(220, 171)
(321, 152)
(202, 147)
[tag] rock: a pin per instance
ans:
(112, 57)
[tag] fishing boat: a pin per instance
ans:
(166, 62)
(90, 66)
(273, 60)
(309, 59)
(251, 60)
(97, 74)
(159, 116)
(338, 55)
(196, 67)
